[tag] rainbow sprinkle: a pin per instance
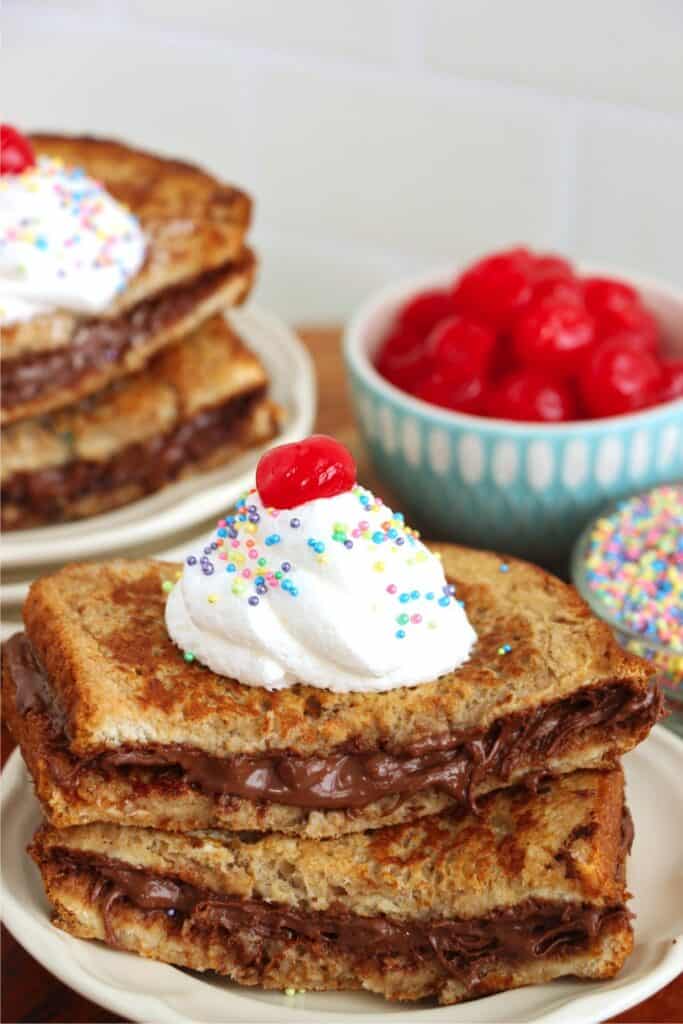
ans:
(58, 225)
(634, 567)
(237, 545)
(247, 546)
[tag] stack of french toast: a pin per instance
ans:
(99, 409)
(450, 840)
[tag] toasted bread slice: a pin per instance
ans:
(192, 223)
(153, 740)
(453, 906)
(192, 399)
(102, 351)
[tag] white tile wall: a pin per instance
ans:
(381, 136)
(319, 281)
(103, 78)
(369, 30)
(619, 50)
(394, 160)
(630, 191)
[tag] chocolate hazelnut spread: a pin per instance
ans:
(532, 929)
(31, 688)
(148, 464)
(348, 779)
(98, 343)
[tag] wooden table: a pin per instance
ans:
(30, 993)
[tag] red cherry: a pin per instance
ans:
(619, 376)
(604, 295)
(617, 309)
(504, 359)
(398, 342)
(554, 336)
(551, 268)
(495, 288)
(402, 358)
(462, 396)
(672, 384)
(292, 474)
(635, 323)
(424, 311)
(553, 278)
(532, 395)
(461, 348)
(568, 292)
(16, 152)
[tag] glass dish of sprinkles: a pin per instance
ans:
(628, 566)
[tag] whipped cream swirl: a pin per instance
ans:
(65, 243)
(337, 593)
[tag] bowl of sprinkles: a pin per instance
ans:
(628, 566)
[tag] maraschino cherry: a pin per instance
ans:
(532, 395)
(292, 474)
(16, 152)
(619, 377)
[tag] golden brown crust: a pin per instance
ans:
(204, 369)
(208, 368)
(443, 866)
(92, 795)
(192, 223)
(259, 423)
(147, 799)
(99, 632)
(168, 319)
(314, 966)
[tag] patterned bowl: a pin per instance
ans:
(523, 488)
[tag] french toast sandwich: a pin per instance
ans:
(453, 906)
(195, 405)
(117, 724)
(195, 264)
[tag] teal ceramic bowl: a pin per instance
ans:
(524, 488)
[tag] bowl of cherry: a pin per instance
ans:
(506, 403)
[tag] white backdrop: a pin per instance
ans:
(382, 136)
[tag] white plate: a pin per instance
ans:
(182, 505)
(146, 991)
(13, 595)
(12, 621)
(173, 548)
(10, 624)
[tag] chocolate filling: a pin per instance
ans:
(530, 930)
(31, 687)
(97, 344)
(148, 464)
(345, 780)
